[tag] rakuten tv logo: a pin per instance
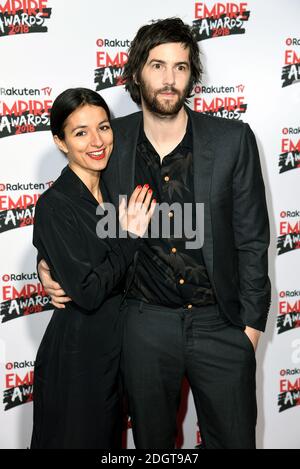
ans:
(110, 64)
(289, 311)
(23, 16)
(22, 295)
(222, 19)
(289, 232)
(291, 70)
(18, 384)
(290, 149)
(221, 101)
(25, 115)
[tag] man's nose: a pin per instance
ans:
(169, 76)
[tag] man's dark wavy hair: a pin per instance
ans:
(155, 34)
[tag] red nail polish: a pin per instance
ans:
(146, 185)
(139, 187)
(150, 191)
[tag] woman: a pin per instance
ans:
(76, 397)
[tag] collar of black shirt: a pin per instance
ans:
(186, 142)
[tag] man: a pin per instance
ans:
(194, 312)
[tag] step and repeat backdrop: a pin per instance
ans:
(251, 55)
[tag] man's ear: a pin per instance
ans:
(135, 79)
(60, 144)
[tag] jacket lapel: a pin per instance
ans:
(203, 161)
(119, 176)
(127, 155)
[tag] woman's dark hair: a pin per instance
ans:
(155, 34)
(67, 102)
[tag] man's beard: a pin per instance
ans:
(163, 108)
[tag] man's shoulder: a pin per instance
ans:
(130, 120)
(216, 123)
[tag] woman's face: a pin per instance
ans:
(88, 138)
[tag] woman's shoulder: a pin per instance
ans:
(54, 210)
(55, 200)
(58, 193)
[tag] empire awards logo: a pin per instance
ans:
(22, 295)
(220, 101)
(111, 56)
(23, 17)
(289, 395)
(222, 19)
(17, 204)
(18, 384)
(289, 385)
(288, 311)
(289, 157)
(28, 114)
(291, 70)
(289, 232)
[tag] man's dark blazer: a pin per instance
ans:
(228, 180)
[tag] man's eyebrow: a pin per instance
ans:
(157, 60)
(183, 62)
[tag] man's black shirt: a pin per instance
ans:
(166, 272)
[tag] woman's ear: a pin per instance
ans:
(60, 144)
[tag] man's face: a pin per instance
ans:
(165, 78)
